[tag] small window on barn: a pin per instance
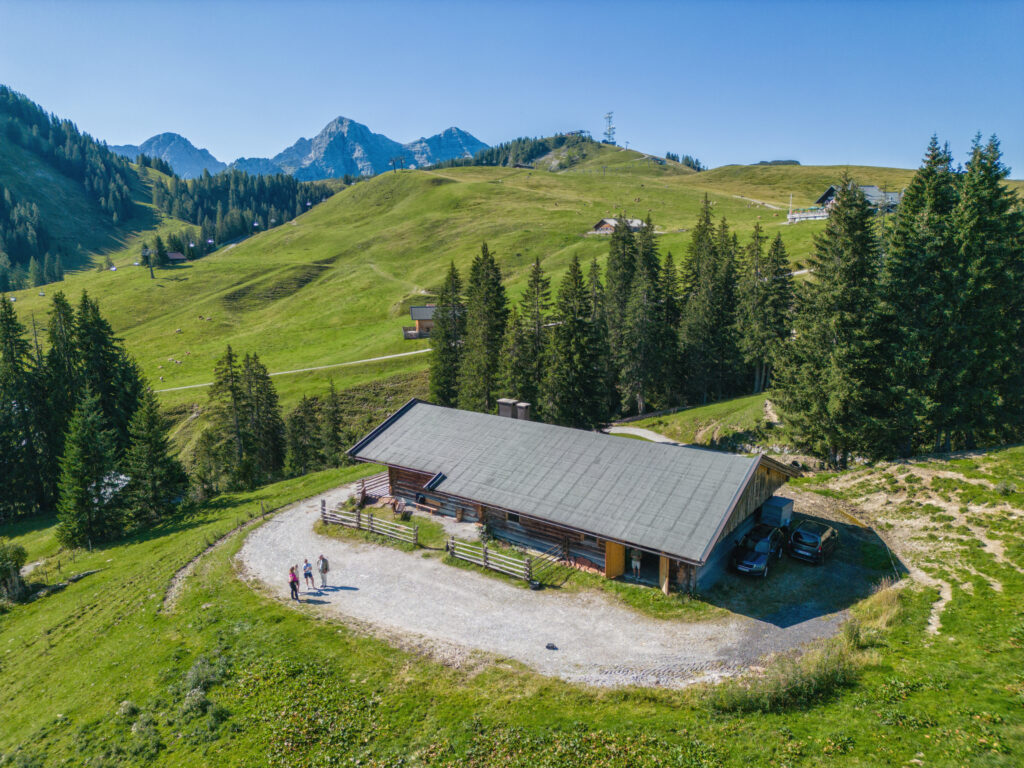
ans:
(589, 540)
(512, 517)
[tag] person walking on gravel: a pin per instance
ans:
(307, 574)
(293, 582)
(323, 566)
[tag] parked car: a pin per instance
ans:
(813, 541)
(754, 550)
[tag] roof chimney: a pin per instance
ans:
(507, 407)
(523, 411)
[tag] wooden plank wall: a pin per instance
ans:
(763, 484)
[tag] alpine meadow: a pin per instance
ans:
(553, 452)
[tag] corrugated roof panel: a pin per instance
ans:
(661, 497)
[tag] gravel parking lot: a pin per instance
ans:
(457, 615)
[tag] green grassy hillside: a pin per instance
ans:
(98, 674)
(335, 284)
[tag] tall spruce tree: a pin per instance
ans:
(156, 479)
(764, 302)
(535, 307)
(919, 288)
(486, 318)
(88, 512)
(639, 355)
(670, 294)
(988, 236)
(606, 399)
(831, 371)
(446, 340)
(519, 362)
(265, 424)
(707, 326)
(572, 392)
(332, 445)
(21, 439)
(303, 438)
(230, 442)
(619, 271)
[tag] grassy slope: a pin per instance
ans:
(335, 284)
(74, 220)
(289, 689)
(711, 424)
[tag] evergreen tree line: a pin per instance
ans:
(25, 256)
(233, 204)
(911, 338)
(640, 337)
(518, 151)
(79, 431)
(156, 163)
(903, 340)
(105, 176)
(248, 442)
(688, 160)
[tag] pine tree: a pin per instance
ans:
(156, 479)
(639, 356)
(486, 318)
(572, 394)
(987, 323)
(49, 269)
(670, 295)
(831, 371)
(35, 273)
(518, 362)
(230, 442)
(764, 301)
(535, 308)
(303, 438)
(446, 340)
(619, 271)
(606, 398)
(919, 288)
(332, 445)
(21, 485)
(265, 424)
(87, 513)
(160, 252)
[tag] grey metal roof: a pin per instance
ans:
(422, 313)
(664, 498)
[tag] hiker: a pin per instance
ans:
(323, 566)
(293, 582)
(635, 556)
(307, 574)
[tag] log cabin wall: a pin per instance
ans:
(539, 535)
(762, 485)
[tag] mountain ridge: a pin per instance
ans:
(343, 147)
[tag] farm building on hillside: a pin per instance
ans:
(607, 226)
(592, 496)
(886, 201)
(423, 317)
(176, 258)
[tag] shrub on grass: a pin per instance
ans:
(789, 682)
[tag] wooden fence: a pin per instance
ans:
(374, 487)
(484, 556)
(366, 521)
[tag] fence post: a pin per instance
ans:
(369, 525)
(485, 555)
(528, 567)
(359, 520)
(323, 510)
(415, 535)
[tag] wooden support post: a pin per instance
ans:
(614, 559)
(323, 510)
(528, 568)
(369, 526)
(415, 535)
(359, 520)
(663, 571)
(485, 555)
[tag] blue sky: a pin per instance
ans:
(730, 82)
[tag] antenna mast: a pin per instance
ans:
(609, 128)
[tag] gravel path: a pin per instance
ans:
(454, 615)
(646, 434)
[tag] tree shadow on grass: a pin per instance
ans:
(796, 591)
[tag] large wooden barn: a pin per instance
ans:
(593, 495)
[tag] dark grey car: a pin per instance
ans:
(813, 541)
(754, 550)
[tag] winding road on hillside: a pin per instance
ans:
(463, 618)
(307, 370)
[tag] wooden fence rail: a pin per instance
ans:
(366, 521)
(374, 487)
(485, 557)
